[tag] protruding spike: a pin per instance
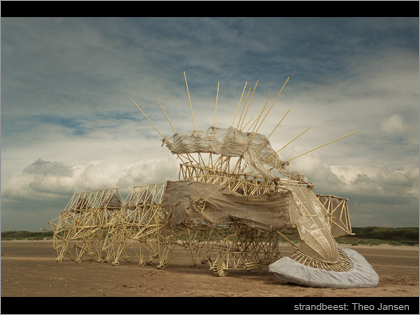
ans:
(148, 119)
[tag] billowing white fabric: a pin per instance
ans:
(230, 142)
(361, 275)
(268, 212)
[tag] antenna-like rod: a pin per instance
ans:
(271, 132)
(322, 146)
(249, 122)
(240, 117)
(148, 119)
(215, 110)
(239, 103)
(259, 116)
(167, 117)
(189, 98)
(253, 124)
(272, 104)
(252, 95)
(287, 144)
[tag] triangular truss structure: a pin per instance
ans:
(228, 207)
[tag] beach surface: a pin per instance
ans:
(28, 268)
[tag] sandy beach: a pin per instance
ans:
(29, 269)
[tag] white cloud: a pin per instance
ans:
(41, 167)
(378, 181)
(56, 179)
(68, 123)
(393, 125)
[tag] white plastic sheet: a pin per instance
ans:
(361, 275)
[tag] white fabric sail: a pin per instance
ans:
(230, 142)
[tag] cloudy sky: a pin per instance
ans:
(68, 123)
